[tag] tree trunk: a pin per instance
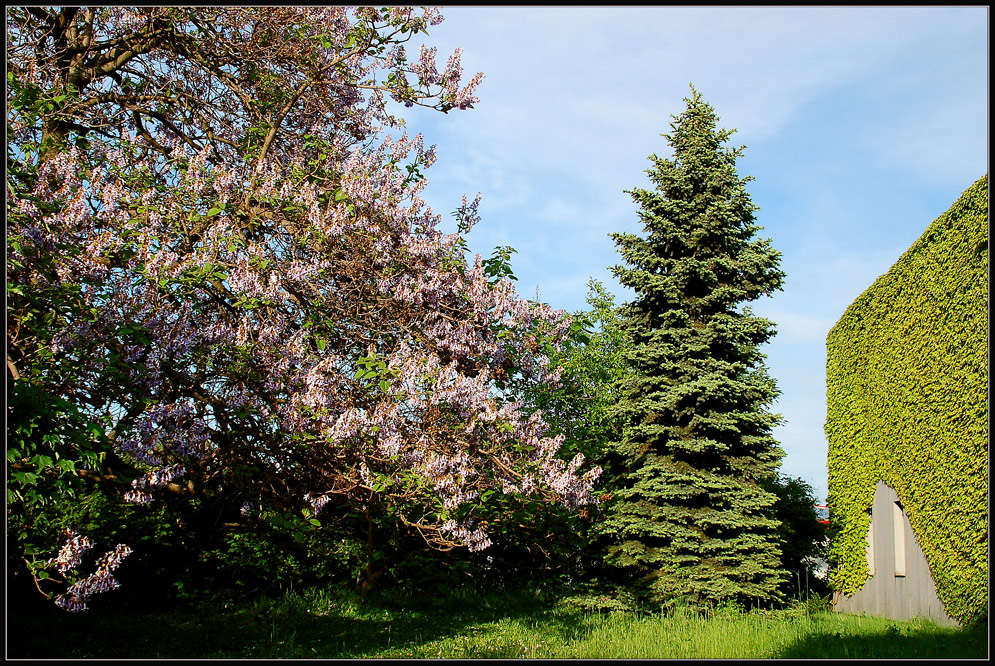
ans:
(374, 570)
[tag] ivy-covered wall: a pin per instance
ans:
(907, 394)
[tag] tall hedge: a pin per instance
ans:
(907, 371)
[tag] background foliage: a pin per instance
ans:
(803, 539)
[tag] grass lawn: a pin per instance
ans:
(322, 624)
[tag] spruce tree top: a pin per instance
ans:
(697, 252)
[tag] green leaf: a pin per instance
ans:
(25, 478)
(41, 462)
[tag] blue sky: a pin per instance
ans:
(861, 126)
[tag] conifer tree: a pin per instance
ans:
(689, 517)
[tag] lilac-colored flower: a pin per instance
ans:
(71, 552)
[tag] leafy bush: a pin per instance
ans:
(802, 537)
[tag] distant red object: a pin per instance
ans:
(822, 511)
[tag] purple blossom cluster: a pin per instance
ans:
(140, 487)
(425, 69)
(71, 553)
(167, 428)
(75, 598)
(317, 503)
(474, 539)
(563, 479)
(450, 476)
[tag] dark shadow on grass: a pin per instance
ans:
(897, 641)
(262, 629)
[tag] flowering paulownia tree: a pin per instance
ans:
(222, 282)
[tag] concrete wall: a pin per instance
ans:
(901, 586)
